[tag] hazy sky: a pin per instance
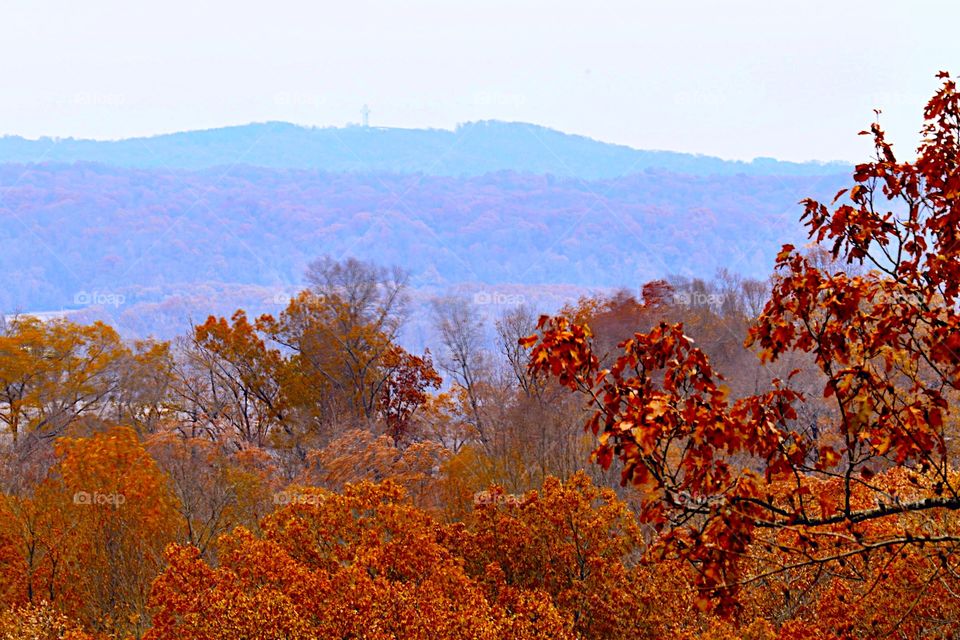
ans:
(792, 80)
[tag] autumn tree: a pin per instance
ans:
(229, 383)
(89, 539)
(358, 454)
(406, 390)
(343, 328)
(538, 416)
(143, 396)
(502, 423)
(580, 546)
(51, 373)
(465, 359)
(738, 479)
(216, 487)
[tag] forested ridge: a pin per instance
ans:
(132, 242)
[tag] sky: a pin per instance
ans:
(735, 79)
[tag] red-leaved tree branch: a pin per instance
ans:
(738, 486)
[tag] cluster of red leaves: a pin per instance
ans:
(405, 389)
(724, 477)
(661, 411)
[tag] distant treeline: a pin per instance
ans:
(84, 235)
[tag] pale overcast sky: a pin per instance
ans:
(737, 79)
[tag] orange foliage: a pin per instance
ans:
(362, 564)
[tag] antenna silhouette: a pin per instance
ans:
(365, 112)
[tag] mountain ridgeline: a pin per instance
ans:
(472, 149)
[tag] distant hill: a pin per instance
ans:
(138, 243)
(472, 149)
